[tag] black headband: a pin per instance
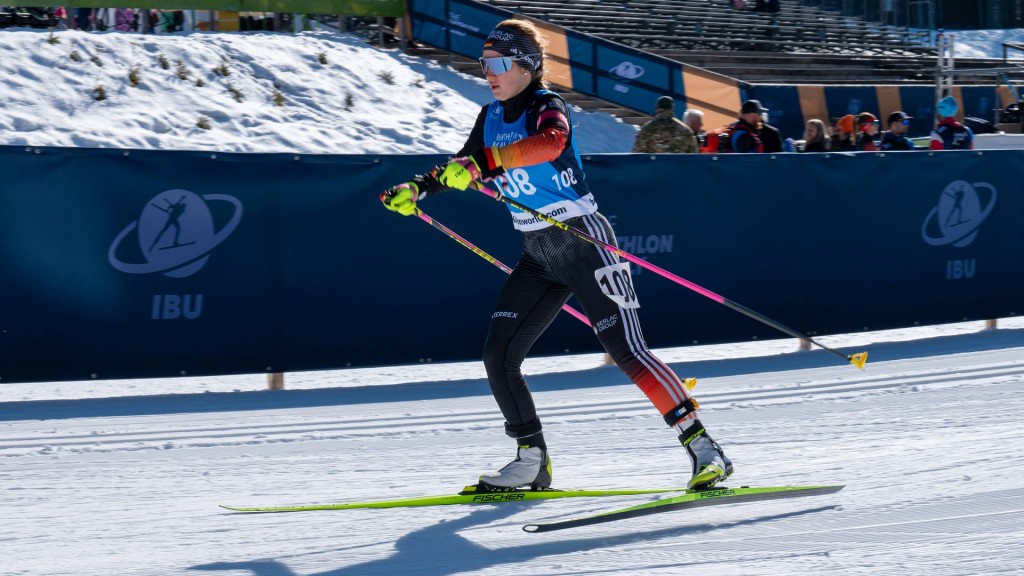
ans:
(513, 43)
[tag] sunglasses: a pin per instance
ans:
(501, 64)
(905, 122)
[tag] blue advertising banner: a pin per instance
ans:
(153, 264)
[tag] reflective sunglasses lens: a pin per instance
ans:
(905, 122)
(498, 65)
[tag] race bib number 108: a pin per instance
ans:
(616, 284)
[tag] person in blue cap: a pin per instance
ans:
(950, 134)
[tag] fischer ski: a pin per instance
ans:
(469, 495)
(691, 499)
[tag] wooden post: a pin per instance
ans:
(275, 381)
(403, 40)
(991, 324)
(805, 344)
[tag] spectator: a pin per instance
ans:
(103, 19)
(770, 135)
(744, 135)
(83, 19)
(866, 130)
(666, 134)
(695, 120)
(815, 137)
(124, 19)
(950, 134)
(896, 137)
(60, 14)
(843, 135)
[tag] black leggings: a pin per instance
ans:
(556, 264)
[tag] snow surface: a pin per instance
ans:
(927, 439)
(124, 477)
(363, 100)
(986, 43)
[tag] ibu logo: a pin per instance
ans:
(626, 71)
(960, 269)
(173, 306)
(958, 216)
(956, 221)
(173, 235)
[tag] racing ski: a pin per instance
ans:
(690, 499)
(469, 495)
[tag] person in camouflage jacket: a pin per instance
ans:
(666, 133)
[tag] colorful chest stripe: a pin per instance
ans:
(557, 188)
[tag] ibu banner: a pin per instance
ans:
(152, 264)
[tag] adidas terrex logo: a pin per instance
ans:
(505, 315)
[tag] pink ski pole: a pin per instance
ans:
(451, 234)
(857, 359)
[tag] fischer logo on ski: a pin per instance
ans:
(500, 497)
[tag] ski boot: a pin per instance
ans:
(531, 467)
(710, 466)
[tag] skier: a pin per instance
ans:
(523, 144)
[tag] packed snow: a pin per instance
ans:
(124, 477)
(987, 43)
(311, 93)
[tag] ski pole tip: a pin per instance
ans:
(859, 359)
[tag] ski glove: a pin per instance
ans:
(459, 173)
(401, 198)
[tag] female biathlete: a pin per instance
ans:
(523, 145)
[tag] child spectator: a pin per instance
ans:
(815, 137)
(867, 129)
(843, 135)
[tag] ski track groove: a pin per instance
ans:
(239, 434)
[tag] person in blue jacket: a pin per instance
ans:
(523, 145)
(950, 134)
(895, 138)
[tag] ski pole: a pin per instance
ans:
(857, 359)
(451, 234)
